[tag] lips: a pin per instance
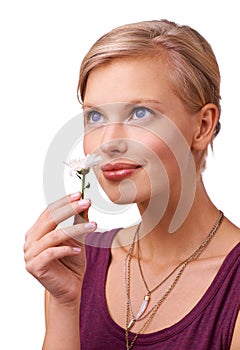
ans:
(119, 171)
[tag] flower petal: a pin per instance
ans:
(83, 165)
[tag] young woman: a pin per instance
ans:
(151, 102)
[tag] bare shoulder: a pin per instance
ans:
(232, 238)
(229, 236)
(235, 345)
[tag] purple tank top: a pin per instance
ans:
(208, 326)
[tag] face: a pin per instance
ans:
(141, 129)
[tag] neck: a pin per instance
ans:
(158, 243)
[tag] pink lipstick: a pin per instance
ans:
(119, 171)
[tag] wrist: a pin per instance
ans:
(62, 324)
(61, 303)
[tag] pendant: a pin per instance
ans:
(144, 306)
(141, 311)
(131, 324)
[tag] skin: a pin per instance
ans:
(115, 140)
(58, 262)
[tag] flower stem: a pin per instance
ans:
(83, 190)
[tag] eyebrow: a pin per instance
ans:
(146, 100)
(135, 101)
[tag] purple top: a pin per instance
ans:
(209, 325)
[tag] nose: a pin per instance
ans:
(114, 139)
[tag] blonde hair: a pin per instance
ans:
(193, 68)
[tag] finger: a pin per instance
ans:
(63, 213)
(65, 200)
(80, 218)
(58, 204)
(39, 266)
(49, 219)
(59, 236)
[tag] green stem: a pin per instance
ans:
(83, 190)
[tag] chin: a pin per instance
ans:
(126, 192)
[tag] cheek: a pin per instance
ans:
(157, 149)
(91, 141)
(88, 146)
(167, 166)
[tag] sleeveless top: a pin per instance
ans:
(208, 326)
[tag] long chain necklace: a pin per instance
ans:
(141, 314)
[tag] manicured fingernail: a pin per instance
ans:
(74, 196)
(84, 203)
(77, 249)
(90, 226)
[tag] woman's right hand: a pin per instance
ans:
(55, 256)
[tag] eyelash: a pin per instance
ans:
(90, 113)
(150, 113)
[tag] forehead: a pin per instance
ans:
(127, 79)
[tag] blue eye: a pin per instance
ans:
(94, 117)
(141, 112)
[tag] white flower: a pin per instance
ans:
(82, 165)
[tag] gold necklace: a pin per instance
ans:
(142, 310)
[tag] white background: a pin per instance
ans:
(42, 44)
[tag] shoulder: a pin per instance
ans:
(98, 253)
(101, 239)
(232, 235)
(235, 345)
(228, 239)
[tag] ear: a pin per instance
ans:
(207, 119)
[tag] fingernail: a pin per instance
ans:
(74, 196)
(84, 203)
(77, 249)
(90, 226)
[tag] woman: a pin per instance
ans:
(151, 102)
